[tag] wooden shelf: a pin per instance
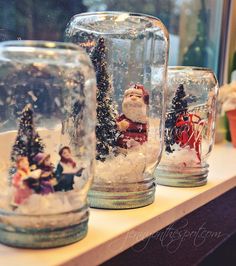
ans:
(111, 232)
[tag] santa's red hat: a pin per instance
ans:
(137, 88)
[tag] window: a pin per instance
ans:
(194, 25)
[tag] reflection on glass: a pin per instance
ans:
(47, 142)
(189, 127)
(129, 54)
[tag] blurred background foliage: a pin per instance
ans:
(194, 25)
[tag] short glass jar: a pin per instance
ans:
(47, 139)
(129, 52)
(189, 127)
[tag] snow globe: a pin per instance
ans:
(129, 54)
(47, 138)
(189, 127)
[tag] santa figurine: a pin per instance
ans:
(132, 124)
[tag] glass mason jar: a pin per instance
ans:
(189, 127)
(47, 138)
(129, 54)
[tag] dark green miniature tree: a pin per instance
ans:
(28, 142)
(179, 107)
(106, 130)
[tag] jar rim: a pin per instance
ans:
(10, 213)
(190, 68)
(75, 52)
(115, 13)
(40, 44)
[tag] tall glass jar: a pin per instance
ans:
(189, 127)
(129, 53)
(47, 139)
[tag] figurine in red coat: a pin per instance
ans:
(21, 191)
(132, 124)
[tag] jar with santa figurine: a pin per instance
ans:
(189, 127)
(129, 53)
(47, 140)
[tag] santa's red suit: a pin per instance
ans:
(135, 131)
(132, 124)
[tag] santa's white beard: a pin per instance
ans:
(135, 111)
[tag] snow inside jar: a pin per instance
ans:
(189, 127)
(129, 54)
(47, 139)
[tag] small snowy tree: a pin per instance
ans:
(28, 142)
(106, 130)
(179, 107)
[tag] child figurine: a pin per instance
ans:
(66, 170)
(132, 124)
(22, 191)
(47, 180)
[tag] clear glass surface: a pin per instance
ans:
(47, 126)
(129, 52)
(189, 126)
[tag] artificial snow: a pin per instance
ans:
(40, 211)
(180, 157)
(43, 211)
(130, 165)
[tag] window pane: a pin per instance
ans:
(194, 25)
